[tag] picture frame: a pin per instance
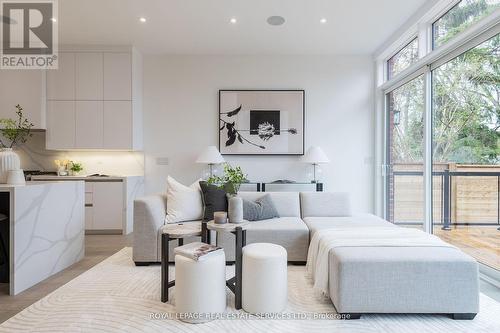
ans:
(261, 122)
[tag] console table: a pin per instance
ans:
(288, 187)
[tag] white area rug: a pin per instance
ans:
(116, 296)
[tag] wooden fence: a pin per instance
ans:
(473, 198)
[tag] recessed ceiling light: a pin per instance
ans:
(233, 20)
(275, 20)
(142, 19)
(53, 19)
(323, 20)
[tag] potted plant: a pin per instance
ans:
(231, 180)
(75, 168)
(13, 132)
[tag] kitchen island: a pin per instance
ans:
(46, 228)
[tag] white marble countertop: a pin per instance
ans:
(65, 178)
(8, 187)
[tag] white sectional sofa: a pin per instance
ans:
(362, 279)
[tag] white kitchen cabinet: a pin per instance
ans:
(23, 87)
(107, 89)
(89, 76)
(108, 205)
(61, 81)
(60, 125)
(89, 217)
(89, 124)
(118, 125)
(117, 76)
(109, 202)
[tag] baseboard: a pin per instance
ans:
(490, 275)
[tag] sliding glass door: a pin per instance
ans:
(466, 151)
(405, 143)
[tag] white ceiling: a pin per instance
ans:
(202, 26)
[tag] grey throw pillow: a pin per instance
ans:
(261, 209)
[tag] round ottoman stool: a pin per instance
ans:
(200, 287)
(264, 278)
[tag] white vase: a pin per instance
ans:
(235, 209)
(9, 160)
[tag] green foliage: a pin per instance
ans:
(466, 110)
(76, 167)
(462, 16)
(15, 131)
(231, 180)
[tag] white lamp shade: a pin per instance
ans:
(210, 156)
(315, 155)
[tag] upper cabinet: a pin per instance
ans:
(61, 81)
(117, 77)
(26, 88)
(89, 76)
(106, 89)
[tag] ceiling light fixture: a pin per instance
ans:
(233, 20)
(142, 19)
(53, 19)
(323, 20)
(275, 20)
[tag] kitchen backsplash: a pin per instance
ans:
(34, 156)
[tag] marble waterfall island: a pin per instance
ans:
(47, 228)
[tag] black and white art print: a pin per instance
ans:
(261, 122)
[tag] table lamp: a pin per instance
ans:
(315, 156)
(210, 156)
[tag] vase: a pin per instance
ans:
(9, 160)
(235, 209)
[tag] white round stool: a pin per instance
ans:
(200, 287)
(264, 278)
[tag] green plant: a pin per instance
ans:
(76, 167)
(16, 131)
(231, 180)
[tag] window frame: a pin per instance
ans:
(429, 58)
(453, 5)
(414, 37)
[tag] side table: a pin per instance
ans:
(239, 230)
(177, 231)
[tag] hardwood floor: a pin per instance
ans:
(480, 242)
(97, 248)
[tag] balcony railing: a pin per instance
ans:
(458, 199)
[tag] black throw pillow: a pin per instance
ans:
(214, 200)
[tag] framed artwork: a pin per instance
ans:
(261, 122)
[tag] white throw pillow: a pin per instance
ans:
(183, 203)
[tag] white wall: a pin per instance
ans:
(181, 116)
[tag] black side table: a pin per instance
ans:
(177, 231)
(239, 231)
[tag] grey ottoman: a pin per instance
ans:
(403, 280)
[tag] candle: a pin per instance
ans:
(220, 217)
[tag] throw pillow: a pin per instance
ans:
(183, 202)
(261, 209)
(214, 200)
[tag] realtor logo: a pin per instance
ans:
(29, 34)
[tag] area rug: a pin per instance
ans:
(117, 296)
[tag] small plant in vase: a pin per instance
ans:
(14, 132)
(231, 180)
(62, 167)
(76, 168)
